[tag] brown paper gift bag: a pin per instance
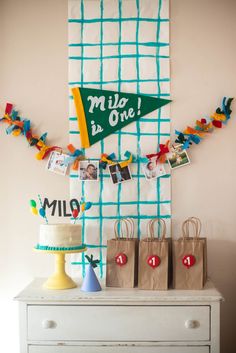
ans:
(190, 257)
(122, 257)
(154, 257)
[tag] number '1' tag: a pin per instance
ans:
(188, 261)
(153, 261)
(121, 259)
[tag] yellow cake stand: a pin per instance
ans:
(60, 280)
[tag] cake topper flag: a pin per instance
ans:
(102, 112)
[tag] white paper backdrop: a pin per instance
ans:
(121, 45)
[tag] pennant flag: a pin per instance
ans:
(102, 112)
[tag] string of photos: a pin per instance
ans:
(153, 165)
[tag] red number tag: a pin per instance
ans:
(188, 260)
(153, 261)
(121, 259)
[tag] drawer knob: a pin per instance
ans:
(191, 324)
(48, 324)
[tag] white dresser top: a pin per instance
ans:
(34, 293)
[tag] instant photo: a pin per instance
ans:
(56, 163)
(178, 157)
(119, 174)
(153, 170)
(88, 171)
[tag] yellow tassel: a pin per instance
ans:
(16, 132)
(219, 117)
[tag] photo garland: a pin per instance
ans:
(174, 154)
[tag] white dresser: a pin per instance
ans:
(119, 320)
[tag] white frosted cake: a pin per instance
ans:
(60, 237)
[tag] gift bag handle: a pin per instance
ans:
(150, 226)
(121, 222)
(129, 226)
(197, 226)
(130, 221)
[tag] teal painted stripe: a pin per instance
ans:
(82, 79)
(154, 120)
(134, 176)
(137, 122)
(145, 120)
(93, 246)
(144, 94)
(119, 81)
(127, 216)
(86, 263)
(119, 88)
(130, 133)
(129, 203)
(102, 146)
(121, 56)
(125, 19)
(117, 161)
(82, 37)
(145, 44)
(158, 185)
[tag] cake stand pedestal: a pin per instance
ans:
(60, 280)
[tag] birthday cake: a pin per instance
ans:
(60, 237)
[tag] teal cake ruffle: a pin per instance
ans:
(59, 248)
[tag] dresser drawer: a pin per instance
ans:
(118, 323)
(115, 349)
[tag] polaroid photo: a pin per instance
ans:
(56, 163)
(88, 171)
(119, 174)
(153, 170)
(177, 157)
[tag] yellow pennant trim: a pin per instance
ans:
(81, 117)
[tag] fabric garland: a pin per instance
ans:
(206, 125)
(110, 159)
(18, 126)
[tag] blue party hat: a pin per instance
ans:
(90, 282)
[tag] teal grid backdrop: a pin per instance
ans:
(120, 45)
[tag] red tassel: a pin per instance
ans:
(8, 109)
(217, 123)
